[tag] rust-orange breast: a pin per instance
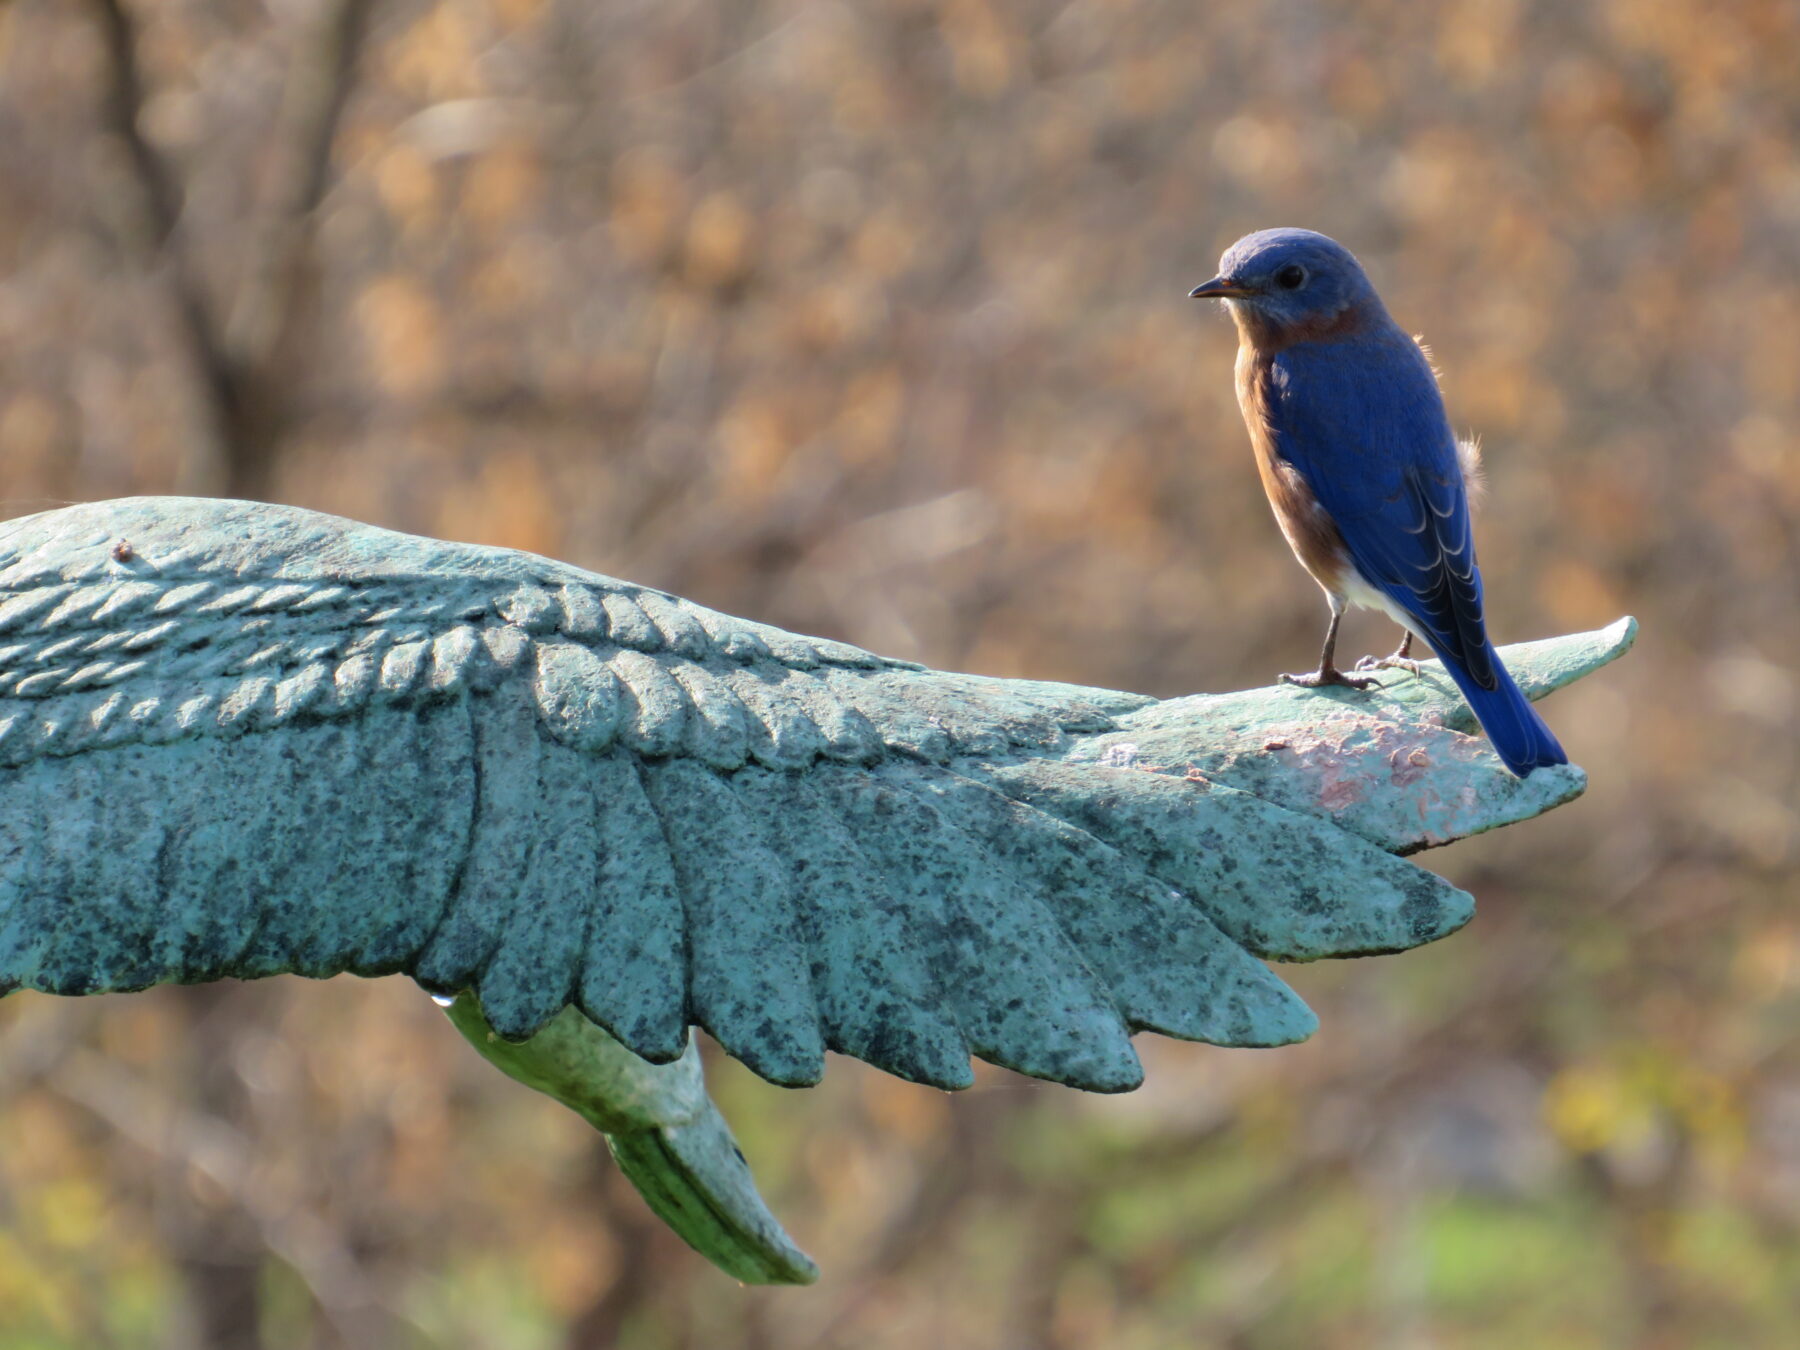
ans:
(1309, 531)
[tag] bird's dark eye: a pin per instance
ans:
(1291, 278)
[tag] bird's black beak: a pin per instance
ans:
(1219, 288)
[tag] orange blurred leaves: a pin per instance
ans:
(402, 330)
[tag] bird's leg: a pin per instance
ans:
(1401, 659)
(1328, 673)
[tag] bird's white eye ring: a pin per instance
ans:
(1291, 278)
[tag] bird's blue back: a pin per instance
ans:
(1359, 417)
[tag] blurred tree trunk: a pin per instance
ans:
(244, 365)
(222, 1253)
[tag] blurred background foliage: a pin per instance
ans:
(866, 317)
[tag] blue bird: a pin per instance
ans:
(1366, 478)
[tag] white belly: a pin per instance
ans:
(1364, 596)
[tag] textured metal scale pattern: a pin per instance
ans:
(239, 739)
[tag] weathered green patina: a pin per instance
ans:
(663, 1130)
(243, 740)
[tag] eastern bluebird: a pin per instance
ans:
(1364, 473)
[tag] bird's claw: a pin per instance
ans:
(1394, 662)
(1329, 675)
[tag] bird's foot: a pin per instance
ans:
(1397, 661)
(1329, 675)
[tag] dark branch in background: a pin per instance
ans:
(244, 409)
(245, 370)
(124, 103)
(318, 83)
(151, 227)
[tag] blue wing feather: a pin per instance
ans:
(1361, 420)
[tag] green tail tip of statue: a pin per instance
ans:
(694, 1178)
(664, 1131)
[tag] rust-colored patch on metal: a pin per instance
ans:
(1409, 766)
(1329, 768)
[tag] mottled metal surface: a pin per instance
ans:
(240, 740)
(1403, 766)
(262, 740)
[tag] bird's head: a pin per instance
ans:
(1291, 285)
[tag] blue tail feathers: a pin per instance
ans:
(1513, 726)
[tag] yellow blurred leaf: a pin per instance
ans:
(832, 315)
(912, 1113)
(718, 241)
(31, 430)
(502, 185)
(884, 245)
(513, 280)
(981, 46)
(510, 503)
(573, 1260)
(516, 14)
(1591, 1107)
(408, 186)
(869, 417)
(401, 325)
(648, 199)
(152, 1033)
(754, 441)
(69, 1212)
(434, 59)
(1576, 595)
(40, 1141)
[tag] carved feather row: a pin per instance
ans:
(103, 661)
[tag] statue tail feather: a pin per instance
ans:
(663, 1129)
(695, 1179)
